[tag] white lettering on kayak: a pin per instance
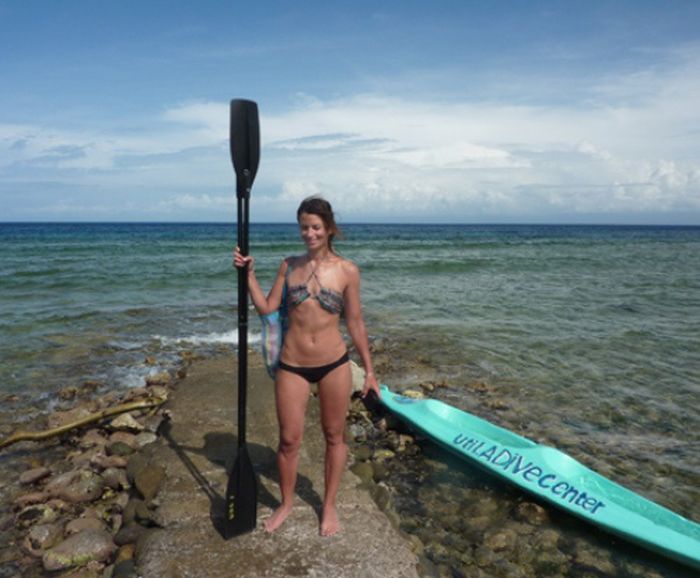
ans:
(515, 464)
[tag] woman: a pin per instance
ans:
(321, 285)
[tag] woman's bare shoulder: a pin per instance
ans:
(349, 267)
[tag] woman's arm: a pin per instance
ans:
(356, 327)
(263, 304)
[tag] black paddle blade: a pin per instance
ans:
(245, 144)
(241, 497)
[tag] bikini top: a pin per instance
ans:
(330, 300)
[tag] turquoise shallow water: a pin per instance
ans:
(588, 336)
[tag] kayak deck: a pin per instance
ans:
(553, 476)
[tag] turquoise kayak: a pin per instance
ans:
(552, 476)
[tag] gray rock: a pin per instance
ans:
(362, 453)
(126, 422)
(34, 475)
(115, 478)
(119, 449)
(135, 464)
(144, 516)
(125, 437)
(91, 439)
(382, 454)
(105, 462)
(79, 550)
(149, 480)
(143, 439)
(129, 534)
(42, 537)
(81, 524)
(380, 471)
(76, 486)
(357, 432)
(33, 498)
(152, 422)
(36, 514)
(364, 471)
(124, 569)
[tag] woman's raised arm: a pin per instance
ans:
(263, 304)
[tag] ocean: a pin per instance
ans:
(586, 338)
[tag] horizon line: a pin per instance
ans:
(392, 223)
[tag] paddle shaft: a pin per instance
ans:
(243, 202)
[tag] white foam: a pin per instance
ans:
(229, 337)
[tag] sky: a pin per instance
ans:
(458, 111)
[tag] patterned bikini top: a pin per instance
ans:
(330, 300)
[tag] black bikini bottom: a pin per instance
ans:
(314, 374)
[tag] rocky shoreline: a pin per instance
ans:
(89, 505)
(80, 510)
(92, 506)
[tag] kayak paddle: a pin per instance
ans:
(241, 490)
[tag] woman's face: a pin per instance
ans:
(313, 231)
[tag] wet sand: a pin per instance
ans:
(197, 448)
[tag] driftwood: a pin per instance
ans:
(93, 417)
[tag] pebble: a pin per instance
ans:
(363, 453)
(135, 464)
(531, 513)
(119, 449)
(381, 455)
(91, 439)
(152, 423)
(36, 514)
(115, 478)
(148, 481)
(129, 534)
(124, 437)
(79, 549)
(34, 475)
(125, 422)
(42, 537)
(105, 462)
(33, 498)
(80, 524)
(364, 471)
(82, 458)
(76, 486)
(61, 418)
(143, 439)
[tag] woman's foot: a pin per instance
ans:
(330, 525)
(277, 518)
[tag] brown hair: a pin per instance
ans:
(320, 207)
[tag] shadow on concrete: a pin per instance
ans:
(221, 448)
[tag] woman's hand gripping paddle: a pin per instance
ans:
(241, 490)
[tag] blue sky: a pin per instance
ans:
(444, 111)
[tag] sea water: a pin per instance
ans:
(583, 337)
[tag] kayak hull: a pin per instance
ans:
(552, 476)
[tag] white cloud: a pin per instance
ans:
(633, 149)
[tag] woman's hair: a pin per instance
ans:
(320, 207)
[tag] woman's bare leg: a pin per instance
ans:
(291, 397)
(334, 396)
